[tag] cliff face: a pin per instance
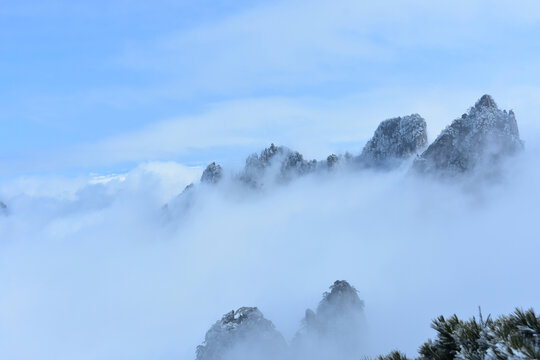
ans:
(242, 334)
(481, 137)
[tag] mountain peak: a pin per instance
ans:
(341, 294)
(395, 140)
(481, 137)
(335, 330)
(485, 101)
(244, 332)
(212, 174)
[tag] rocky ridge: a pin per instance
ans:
(475, 143)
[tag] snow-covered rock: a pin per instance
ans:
(395, 140)
(335, 329)
(477, 140)
(212, 174)
(275, 163)
(242, 335)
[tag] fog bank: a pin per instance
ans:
(91, 269)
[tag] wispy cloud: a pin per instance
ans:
(228, 131)
(298, 45)
(292, 67)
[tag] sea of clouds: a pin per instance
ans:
(94, 267)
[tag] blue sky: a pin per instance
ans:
(103, 85)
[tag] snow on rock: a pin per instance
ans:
(394, 140)
(481, 137)
(275, 163)
(242, 334)
(212, 174)
(335, 329)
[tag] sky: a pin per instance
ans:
(109, 109)
(103, 85)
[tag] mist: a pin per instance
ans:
(90, 268)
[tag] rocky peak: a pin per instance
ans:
(268, 153)
(477, 140)
(394, 140)
(279, 162)
(486, 101)
(341, 296)
(255, 163)
(212, 174)
(244, 333)
(294, 164)
(243, 314)
(335, 329)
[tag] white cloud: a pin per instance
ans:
(102, 275)
(166, 179)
